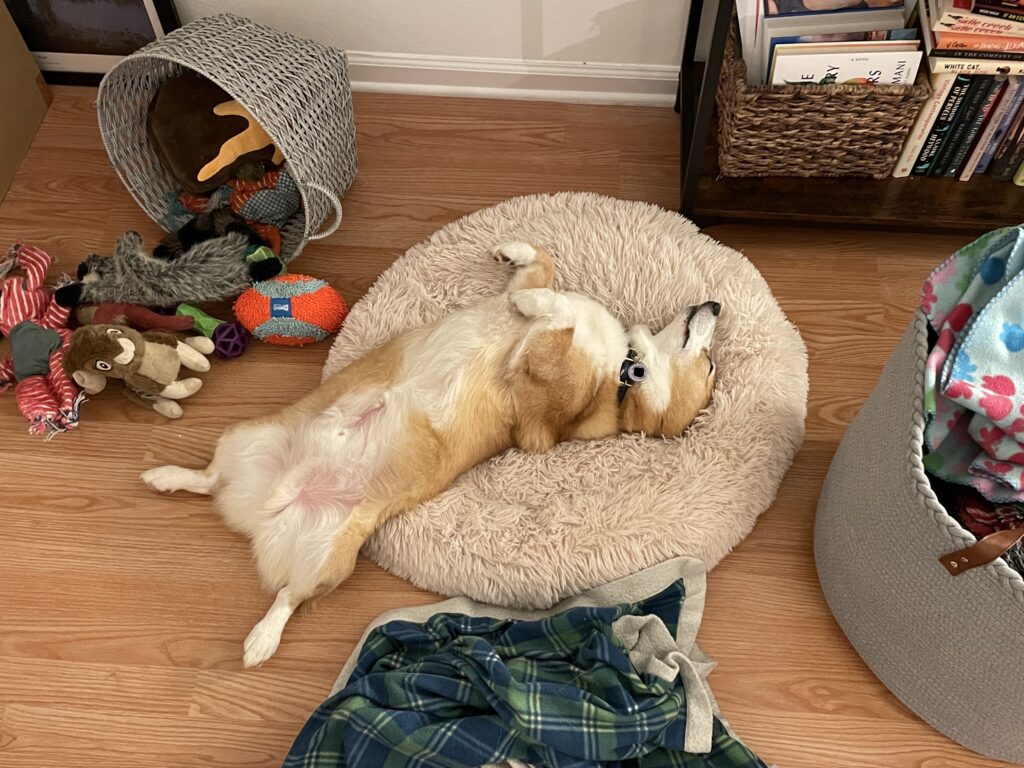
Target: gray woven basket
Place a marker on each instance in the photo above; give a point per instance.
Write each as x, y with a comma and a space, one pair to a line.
298, 90
950, 647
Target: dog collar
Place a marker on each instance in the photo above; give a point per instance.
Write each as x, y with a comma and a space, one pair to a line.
630, 372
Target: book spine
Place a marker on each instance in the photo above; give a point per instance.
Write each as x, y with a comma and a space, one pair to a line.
966, 146
975, 66
1003, 14
976, 94
941, 85
1013, 162
952, 41
1012, 107
1004, 99
960, 53
941, 127
1001, 168
975, 24
1016, 157
1011, 4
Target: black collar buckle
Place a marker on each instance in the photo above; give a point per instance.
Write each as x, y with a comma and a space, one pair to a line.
631, 372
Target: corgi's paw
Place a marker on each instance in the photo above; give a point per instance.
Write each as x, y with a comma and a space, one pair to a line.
515, 254
171, 478
544, 303
261, 643
164, 479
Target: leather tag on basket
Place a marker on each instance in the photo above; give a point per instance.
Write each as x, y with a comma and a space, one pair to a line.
982, 552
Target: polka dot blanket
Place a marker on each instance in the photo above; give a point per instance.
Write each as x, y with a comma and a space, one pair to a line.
974, 377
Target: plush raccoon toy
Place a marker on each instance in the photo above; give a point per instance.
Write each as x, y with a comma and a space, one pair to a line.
206, 260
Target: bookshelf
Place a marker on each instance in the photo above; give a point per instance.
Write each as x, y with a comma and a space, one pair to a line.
913, 203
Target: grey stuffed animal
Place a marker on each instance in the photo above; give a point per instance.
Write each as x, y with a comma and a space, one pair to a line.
211, 270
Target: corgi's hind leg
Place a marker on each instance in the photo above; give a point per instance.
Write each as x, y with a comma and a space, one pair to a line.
365, 519
264, 638
534, 267
304, 581
241, 452
172, 478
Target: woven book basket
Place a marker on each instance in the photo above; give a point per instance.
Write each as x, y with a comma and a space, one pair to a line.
296, 89
811, 130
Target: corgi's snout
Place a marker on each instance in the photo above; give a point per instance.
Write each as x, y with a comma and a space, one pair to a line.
708, 306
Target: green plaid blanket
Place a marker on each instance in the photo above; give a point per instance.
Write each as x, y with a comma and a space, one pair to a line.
583, 687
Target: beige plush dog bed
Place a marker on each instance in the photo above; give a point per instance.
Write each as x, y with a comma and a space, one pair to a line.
528, 530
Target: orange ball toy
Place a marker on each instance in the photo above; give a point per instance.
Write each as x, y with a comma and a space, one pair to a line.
291, 310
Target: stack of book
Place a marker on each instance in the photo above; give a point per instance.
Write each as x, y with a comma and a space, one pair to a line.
799, 42
974, 121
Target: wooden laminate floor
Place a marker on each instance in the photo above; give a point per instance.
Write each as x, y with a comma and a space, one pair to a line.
122, 613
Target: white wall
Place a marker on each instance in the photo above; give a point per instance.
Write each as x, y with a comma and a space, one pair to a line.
593, 50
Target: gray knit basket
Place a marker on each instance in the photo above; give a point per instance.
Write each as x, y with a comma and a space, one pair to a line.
296, 89
950, 647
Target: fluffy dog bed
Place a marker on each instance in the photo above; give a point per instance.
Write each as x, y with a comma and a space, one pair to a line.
527, 530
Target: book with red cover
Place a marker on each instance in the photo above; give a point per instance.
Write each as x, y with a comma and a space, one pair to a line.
960, 41
958, 16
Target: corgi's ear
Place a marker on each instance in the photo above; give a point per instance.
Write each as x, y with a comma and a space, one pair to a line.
691, 331
672, 338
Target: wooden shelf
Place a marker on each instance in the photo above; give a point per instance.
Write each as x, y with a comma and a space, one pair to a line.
916, 203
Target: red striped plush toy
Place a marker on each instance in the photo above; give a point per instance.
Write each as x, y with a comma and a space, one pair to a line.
37, 328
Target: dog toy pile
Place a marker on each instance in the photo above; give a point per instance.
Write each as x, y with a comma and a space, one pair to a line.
123, 336
234, 196
221, 159
974, 377
37, 327
291, 310
225, 223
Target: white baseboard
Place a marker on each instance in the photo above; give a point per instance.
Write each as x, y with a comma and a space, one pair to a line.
644, 84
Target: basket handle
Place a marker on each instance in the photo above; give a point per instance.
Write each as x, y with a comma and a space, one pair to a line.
983, 552
335, 203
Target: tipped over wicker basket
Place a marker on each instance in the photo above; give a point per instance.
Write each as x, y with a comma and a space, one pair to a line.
811, 130
298, 90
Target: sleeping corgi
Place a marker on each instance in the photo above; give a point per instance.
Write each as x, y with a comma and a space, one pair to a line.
526, 369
